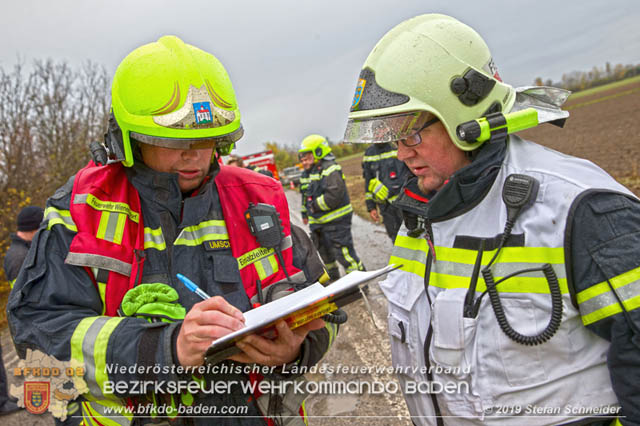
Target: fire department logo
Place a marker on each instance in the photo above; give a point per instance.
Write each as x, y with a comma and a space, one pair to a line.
45, 384
202, 111
36, 397
358, 96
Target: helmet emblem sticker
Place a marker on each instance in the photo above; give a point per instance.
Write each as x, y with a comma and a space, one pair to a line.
358, 95
198, 111
202, 111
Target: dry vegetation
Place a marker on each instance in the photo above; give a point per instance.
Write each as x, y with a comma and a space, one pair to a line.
48, 114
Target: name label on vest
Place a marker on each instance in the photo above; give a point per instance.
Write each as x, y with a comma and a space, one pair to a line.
253, 256
216, 245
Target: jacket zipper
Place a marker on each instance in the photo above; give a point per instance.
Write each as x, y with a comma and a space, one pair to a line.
427, 342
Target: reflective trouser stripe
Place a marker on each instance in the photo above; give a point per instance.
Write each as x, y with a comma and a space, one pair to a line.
303, 412
59, 217
153, 238
342, 211
89, 346
599, 301
333, 331
353, 265
209, 230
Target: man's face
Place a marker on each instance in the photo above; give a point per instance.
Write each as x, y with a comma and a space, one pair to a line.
191, 165
307, 160
434, 160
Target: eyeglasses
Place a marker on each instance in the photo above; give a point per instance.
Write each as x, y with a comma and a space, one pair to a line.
416, 139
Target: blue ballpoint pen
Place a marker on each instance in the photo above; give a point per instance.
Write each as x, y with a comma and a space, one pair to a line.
192, 286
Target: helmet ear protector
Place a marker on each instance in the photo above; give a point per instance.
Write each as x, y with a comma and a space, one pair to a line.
472, 87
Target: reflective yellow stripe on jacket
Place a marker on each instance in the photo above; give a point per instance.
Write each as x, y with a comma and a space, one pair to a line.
55, 216
599, 301
333, 215
89, 346
454, 266
209, 230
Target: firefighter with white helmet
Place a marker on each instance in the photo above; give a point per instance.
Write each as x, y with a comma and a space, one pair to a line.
103, 290
326, 206
519, 286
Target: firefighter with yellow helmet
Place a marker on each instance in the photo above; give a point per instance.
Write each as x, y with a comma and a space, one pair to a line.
101, 285
518, 295
326, 206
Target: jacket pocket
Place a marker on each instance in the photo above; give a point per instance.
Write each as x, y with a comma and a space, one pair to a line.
522, 365
453, 341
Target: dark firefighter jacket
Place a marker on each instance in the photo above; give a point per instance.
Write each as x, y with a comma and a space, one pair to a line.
380, 161
324, 193
51, 298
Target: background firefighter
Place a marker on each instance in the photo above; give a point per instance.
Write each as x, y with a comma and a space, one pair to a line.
384, 176
326, 206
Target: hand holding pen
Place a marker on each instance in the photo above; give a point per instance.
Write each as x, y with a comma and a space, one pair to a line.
206, 321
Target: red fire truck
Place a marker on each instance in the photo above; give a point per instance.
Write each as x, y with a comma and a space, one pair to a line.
262, 160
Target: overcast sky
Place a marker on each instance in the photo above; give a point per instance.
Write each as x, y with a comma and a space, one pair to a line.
294, 63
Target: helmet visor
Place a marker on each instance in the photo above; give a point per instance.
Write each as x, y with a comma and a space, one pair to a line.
386, 128
190, 143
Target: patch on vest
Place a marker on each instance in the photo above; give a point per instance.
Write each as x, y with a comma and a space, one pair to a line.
216, 245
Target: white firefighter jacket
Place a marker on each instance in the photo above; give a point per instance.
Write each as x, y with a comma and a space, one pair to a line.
473, 369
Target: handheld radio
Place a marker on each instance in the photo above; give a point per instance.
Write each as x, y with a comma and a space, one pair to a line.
266, 226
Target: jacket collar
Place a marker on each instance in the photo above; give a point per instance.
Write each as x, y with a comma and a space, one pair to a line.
462, 192
162, 192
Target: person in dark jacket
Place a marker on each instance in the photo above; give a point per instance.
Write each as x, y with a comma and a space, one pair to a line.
384, 176
326, 206
100, 285
29, 220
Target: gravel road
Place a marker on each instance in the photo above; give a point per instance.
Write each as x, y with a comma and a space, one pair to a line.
359, 345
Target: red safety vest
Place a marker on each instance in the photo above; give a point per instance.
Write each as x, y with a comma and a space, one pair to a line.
102, 196
106, 209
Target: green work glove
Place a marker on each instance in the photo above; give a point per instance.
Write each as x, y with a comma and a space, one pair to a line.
379, 190
153, 302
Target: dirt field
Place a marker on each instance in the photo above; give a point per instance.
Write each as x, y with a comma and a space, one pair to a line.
604, 127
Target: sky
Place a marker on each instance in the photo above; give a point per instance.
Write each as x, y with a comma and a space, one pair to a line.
294, 63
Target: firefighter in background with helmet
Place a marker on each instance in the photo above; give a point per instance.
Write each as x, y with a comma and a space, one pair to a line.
326, 206
552, 239
100, 287
384, 176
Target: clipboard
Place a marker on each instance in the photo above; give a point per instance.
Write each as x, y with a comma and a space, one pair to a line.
297, 309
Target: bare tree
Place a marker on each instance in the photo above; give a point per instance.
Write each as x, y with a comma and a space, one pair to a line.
48, 116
